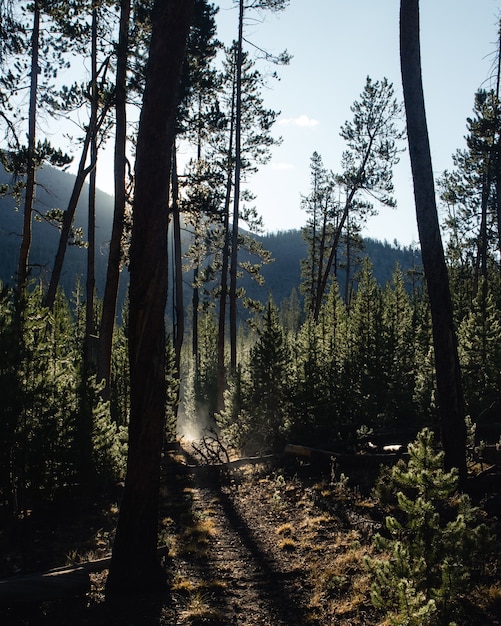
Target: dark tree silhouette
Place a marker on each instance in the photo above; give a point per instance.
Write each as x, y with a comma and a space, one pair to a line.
449, 384
134, 564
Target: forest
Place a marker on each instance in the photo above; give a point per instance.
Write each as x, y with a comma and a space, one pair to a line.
204, 423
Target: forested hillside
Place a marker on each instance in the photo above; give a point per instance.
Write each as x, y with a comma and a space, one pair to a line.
54, 189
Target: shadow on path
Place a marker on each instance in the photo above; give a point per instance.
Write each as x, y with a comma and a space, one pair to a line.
256, 575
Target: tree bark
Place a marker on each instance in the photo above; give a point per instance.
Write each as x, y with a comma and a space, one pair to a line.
236, 196
178, 333
24, 252
221, 331
134, 565
449, 385
114, 258
91, 223
68, 218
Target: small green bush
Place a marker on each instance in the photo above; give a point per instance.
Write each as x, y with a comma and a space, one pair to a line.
433, 544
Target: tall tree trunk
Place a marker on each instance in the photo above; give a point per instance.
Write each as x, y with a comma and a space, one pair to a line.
348, 264
91, 224
68, 218
449, 385
221, 331
85, 421
134, 565
195, 300
113, 271
236, 196
24, 252
483, 241
178, 268
497, 143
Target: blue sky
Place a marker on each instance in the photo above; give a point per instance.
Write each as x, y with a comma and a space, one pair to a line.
335, 45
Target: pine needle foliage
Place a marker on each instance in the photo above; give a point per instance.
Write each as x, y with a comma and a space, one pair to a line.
433, 544
54, 430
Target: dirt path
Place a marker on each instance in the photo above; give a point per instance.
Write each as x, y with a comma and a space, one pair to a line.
258, 546
258, 590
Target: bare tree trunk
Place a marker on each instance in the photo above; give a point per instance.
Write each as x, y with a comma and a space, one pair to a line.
113, 271
68, 218
221, 331
236, 196
449, 385
24, 252
497, 146
195, 301
134, 565
178, 268
91, 225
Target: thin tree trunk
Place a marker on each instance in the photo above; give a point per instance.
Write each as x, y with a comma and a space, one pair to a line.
221, 331
497, 146
449, 385
178, 268
68, 218
134, 565
91, 226
85, 421
236, 196
348, 264
195, 301
113, 271
24, 252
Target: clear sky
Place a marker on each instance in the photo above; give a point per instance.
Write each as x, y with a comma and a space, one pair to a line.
335, 45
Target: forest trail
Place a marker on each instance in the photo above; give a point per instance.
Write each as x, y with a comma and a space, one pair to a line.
255, 589
268, 544
225, 569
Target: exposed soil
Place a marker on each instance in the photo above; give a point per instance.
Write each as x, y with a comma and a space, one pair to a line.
264, 544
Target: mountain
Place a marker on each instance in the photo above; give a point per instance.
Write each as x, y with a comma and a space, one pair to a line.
54, 190
289, 248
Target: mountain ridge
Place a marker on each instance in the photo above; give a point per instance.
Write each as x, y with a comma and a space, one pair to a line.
54, 190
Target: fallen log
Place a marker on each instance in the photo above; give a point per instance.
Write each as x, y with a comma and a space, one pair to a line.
491, 454
54, 584
343, 458
204, 468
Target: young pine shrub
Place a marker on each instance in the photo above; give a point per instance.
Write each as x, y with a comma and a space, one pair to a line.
433, 545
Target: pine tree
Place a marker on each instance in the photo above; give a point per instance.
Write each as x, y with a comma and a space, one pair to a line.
479, 338
434, 541
397, 358
365, 349
372, 151
322, 209
268, 396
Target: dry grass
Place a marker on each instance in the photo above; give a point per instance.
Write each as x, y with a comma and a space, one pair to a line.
287, 544
199, 611
285, 529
